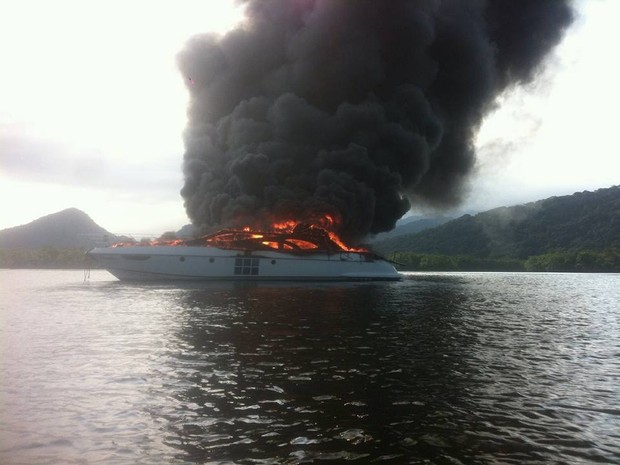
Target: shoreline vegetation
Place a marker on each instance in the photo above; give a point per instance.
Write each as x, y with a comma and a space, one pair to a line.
577, 261
580, 261
54, 258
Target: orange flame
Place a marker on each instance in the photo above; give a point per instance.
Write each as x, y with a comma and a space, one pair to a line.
287, 225
325, 223
317, 233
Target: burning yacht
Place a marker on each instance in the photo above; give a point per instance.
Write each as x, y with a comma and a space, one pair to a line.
287, 252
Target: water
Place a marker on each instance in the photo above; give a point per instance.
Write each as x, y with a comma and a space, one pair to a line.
472, 368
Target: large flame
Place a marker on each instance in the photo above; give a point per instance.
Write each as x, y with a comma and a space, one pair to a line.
313, 234
288, 235
320, 224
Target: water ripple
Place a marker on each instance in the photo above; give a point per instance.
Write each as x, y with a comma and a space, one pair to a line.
440, 368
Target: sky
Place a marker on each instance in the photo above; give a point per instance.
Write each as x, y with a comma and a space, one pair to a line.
93, 107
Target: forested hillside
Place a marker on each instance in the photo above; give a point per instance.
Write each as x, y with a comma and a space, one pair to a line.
68, 228
58, 240
584, 221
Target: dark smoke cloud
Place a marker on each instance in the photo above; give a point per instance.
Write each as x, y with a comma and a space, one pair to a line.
355, 108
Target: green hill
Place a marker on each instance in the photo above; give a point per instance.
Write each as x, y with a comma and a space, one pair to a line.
58, 240
65, 229
584, 221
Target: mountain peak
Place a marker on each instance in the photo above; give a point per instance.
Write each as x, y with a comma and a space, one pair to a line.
70, 227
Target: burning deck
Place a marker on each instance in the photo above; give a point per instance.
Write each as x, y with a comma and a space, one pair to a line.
302, 238
283, 236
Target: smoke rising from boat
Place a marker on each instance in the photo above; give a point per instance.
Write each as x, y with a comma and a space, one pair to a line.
351, 108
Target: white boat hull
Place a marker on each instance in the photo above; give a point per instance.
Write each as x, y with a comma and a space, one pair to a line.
152, 263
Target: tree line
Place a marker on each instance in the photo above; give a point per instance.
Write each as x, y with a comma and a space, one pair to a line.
604, 261
46, 257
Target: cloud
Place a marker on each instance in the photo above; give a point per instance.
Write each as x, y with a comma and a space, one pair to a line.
42, 160
34, 158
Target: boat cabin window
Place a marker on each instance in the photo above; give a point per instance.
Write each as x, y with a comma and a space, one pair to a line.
246, 266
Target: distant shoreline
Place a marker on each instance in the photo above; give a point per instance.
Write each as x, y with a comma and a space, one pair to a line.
581, 261
46, 258
568, 261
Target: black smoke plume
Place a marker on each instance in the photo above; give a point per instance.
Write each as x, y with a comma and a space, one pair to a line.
353, 108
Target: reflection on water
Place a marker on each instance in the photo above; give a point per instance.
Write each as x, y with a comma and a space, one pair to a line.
442, 368
311, 372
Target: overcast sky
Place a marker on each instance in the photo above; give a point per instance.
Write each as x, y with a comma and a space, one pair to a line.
92, 109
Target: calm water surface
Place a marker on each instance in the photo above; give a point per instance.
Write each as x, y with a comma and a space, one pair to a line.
469, 368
